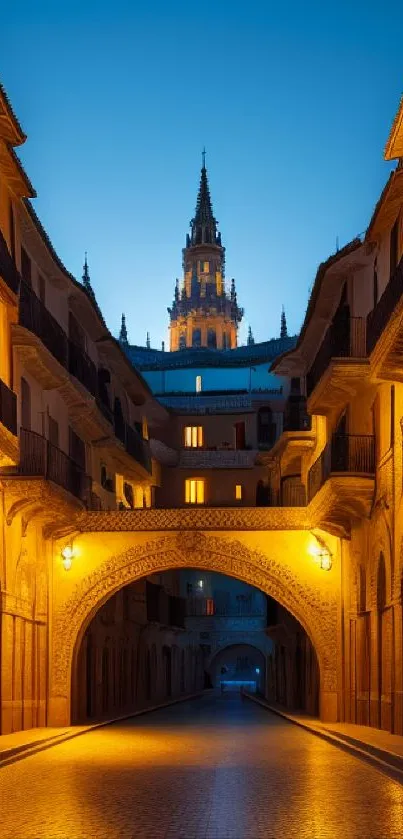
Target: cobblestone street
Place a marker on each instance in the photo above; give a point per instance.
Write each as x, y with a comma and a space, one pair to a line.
214, 768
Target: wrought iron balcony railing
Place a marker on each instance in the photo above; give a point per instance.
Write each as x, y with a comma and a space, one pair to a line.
380, 315
345, 338
34, 316
83, 368
40, 458
134, 443
296, 417
8, 270
344, 454
8, 408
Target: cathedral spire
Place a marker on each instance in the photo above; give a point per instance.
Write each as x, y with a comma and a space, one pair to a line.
86, 278
204, 225
283, 328
123, 339
148, 344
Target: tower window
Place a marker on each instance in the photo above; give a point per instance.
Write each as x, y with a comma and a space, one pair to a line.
198, 384
193, 436
196, 338
211, 339
194, 491
238, 492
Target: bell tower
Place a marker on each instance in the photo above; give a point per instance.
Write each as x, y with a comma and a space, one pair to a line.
203, 314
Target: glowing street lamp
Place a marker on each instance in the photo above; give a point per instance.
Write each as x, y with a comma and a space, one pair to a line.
67, 557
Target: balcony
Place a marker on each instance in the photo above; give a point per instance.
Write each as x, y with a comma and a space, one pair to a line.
83, 368
296, 417
35, 317
39, 458
8, 408
341, 481
8, 426
340, 367
381, 314
8, 271
220, 459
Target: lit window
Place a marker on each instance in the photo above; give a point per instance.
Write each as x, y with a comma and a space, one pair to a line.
193, 436
209, 606
200, 583
194, 491
206, 267
238, 492
198, 384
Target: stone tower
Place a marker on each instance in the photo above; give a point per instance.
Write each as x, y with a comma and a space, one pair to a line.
203, 314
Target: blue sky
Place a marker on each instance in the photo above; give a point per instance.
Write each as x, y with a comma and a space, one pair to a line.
293, 101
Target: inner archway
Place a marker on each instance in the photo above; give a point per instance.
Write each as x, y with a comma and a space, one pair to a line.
316, 614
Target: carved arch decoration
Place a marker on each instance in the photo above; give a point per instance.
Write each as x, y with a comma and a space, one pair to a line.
315, 611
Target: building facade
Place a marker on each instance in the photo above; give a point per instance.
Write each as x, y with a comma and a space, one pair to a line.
278, 464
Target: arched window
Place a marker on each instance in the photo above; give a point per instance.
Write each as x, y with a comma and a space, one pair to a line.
182, 341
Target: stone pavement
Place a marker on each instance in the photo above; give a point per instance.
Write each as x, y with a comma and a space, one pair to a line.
383, 745
212, 768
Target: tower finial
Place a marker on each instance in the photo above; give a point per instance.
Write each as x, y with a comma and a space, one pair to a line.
204, 157
283, 327
123, 339
251, 339
86, 278
148, 345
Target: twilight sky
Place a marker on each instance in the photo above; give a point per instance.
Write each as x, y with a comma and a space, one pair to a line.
293, 101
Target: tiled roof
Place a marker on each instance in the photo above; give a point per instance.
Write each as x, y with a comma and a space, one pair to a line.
16, 122
149, 359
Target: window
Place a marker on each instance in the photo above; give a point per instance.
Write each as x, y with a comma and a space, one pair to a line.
76, 449
25, 405
193, 436
26, 269
238, 492
206, 267
196, 338
198, 384
194, 491
211, 339
209, 606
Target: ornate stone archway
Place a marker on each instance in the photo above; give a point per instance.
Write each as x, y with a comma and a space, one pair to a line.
317, 613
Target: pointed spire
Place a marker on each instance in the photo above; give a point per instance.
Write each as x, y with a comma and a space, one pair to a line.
148, 345
283, 328
176, 296
163, 346
86, 278
251, 339
123, 339
204, 225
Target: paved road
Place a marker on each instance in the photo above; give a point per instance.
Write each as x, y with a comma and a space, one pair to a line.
217, 769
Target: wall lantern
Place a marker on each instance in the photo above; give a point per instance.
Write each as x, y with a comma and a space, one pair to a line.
67, 557
325, 559
321, 554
